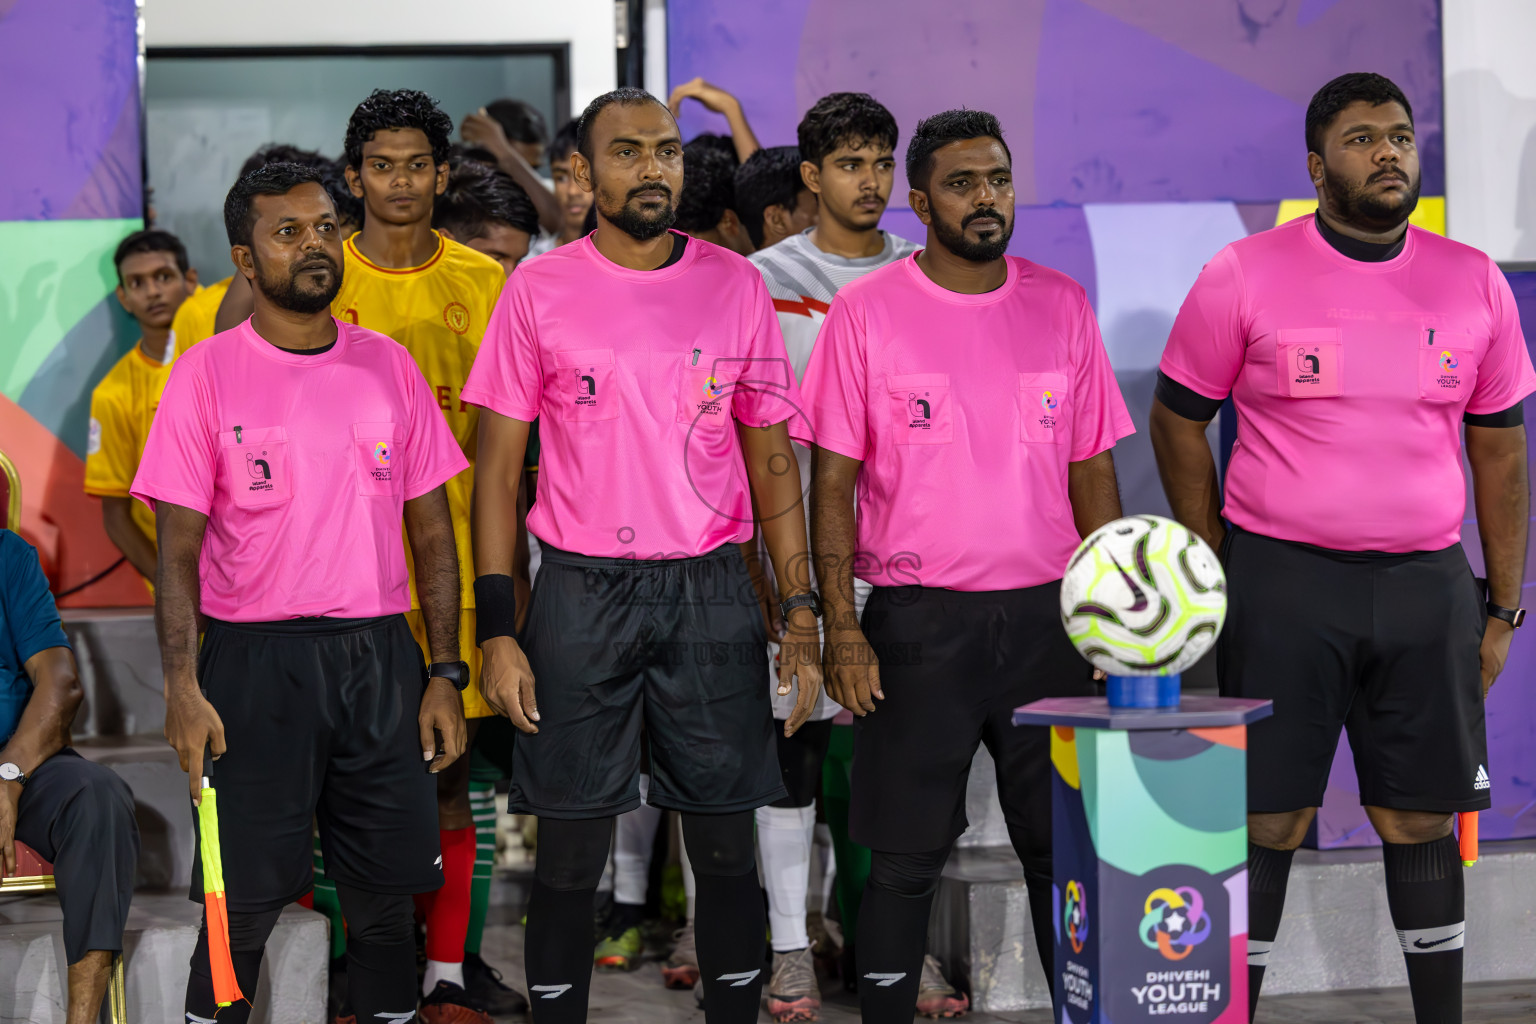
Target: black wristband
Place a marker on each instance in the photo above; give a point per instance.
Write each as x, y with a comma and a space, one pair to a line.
495, 607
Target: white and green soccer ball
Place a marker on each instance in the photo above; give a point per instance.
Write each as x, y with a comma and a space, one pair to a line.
1143, 596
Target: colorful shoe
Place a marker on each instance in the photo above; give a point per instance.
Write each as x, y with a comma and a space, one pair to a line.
619, 952
450, 1004
681, 969
937, 997
793, 994
483, 985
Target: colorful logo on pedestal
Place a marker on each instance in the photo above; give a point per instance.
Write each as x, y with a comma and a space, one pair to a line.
1075, 915
1175, 922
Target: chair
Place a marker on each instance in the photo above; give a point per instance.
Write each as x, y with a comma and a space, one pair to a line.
10, 493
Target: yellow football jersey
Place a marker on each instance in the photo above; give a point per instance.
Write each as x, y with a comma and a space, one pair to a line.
194, 320
122, 408
439, 312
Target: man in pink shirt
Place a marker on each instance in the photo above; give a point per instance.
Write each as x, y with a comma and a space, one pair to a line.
1355, 348
963, 399
283, 458
661, 384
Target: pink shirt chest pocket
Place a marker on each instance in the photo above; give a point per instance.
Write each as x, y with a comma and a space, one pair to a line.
1308, 362
1043, 406
705, 384
379, 462
586, 386
919, 408
1447, 366
256, 463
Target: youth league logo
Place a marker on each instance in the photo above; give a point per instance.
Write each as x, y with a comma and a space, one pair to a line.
1075, 915
1174, 921
1448, 362
1048, 401
381, 453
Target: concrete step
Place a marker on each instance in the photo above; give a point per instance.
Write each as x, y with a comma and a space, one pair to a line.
162, 931
119, 666
161, 804
1337, 932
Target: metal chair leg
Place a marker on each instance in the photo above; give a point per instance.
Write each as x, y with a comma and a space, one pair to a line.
117, 997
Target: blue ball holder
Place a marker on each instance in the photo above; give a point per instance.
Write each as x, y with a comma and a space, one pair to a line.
1144, 691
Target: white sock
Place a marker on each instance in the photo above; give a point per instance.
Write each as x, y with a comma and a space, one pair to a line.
784, 840
438, 971
821, 848
634, 837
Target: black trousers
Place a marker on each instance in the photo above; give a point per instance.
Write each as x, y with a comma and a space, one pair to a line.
78, 815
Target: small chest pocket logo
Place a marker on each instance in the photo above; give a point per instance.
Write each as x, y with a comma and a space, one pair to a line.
1447, 366
377, 459
920, 408
256, 462
587, 384
1307, 362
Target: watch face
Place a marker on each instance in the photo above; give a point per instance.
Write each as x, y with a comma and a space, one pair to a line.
9, 772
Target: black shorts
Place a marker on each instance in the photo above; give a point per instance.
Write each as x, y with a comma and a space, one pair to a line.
953, 666
1385, 646
676, 644
320, 723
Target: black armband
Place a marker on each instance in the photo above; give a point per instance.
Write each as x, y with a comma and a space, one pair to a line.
1514, 416
1186, 401
495, 607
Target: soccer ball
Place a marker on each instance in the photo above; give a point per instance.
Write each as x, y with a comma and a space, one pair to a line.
1143, 596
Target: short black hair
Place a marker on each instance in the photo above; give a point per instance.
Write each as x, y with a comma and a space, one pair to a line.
385, 109
940, 130
852, 119
479, 195
333, 175
271, 180
521, 121
722, 144
150, 240
770, 177
282, 153
564, 142
1340, 93
627, 96
709, 187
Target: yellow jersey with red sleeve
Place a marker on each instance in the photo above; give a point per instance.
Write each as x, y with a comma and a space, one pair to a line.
194, 320
438, 311
122, 408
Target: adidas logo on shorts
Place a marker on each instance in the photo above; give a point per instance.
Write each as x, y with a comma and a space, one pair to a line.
1482, 781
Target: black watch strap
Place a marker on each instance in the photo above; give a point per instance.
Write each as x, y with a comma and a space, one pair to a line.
456, 672
1514, 616
811, 600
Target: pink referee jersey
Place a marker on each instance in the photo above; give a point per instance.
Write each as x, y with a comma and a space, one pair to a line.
1350, 381
638, 378
302, 464
965, 410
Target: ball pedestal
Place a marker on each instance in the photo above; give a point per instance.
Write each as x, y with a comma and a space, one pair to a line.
1150, 841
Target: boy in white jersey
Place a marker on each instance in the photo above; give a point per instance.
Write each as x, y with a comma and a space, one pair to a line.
847, 145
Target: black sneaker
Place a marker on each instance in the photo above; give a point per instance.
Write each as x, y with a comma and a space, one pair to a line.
450, 1004
484, 987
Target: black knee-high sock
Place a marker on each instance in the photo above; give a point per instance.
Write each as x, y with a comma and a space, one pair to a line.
247, 939
381, 954
1034, 853
893, 933
558, 946
730, 923
1427, 897
1268, 872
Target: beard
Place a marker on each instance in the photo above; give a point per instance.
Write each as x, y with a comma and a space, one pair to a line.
286, 292
953, 238
640, 224
1353, 205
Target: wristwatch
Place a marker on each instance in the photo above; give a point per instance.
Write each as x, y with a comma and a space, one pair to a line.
1514, 616
10, 772
456, 672
811, 600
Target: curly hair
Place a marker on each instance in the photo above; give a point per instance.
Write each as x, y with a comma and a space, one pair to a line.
852, 119
397, 108
480, 195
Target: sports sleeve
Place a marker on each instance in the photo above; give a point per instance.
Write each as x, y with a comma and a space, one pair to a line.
1504, 377
507, 377
111, 450
766, 392
432, 453
1099, 417
835, 391
30, 614
1209, 339
180, 459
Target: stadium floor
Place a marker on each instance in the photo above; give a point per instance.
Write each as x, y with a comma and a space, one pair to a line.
638, 998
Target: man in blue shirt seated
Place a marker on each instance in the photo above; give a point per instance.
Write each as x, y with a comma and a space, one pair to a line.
74, 813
